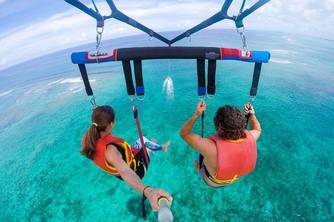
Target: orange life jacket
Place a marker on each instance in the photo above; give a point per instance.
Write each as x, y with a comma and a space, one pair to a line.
101, 146
235, 158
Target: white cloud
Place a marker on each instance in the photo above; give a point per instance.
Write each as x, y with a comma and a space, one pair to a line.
72, 28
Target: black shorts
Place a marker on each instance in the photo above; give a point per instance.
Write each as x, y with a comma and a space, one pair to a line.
141, 165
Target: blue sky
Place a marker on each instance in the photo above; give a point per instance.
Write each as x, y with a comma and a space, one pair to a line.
37, 27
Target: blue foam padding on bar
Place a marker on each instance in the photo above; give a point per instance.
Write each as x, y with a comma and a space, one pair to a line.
140, 90
260, 56
79, 57
201, 91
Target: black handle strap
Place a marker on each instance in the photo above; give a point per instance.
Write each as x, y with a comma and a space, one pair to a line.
201, 90
256, 78
139, 77
143, 209
128, 77
85, 79
212, 77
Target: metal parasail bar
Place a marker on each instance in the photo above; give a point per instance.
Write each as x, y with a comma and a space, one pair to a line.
147, 53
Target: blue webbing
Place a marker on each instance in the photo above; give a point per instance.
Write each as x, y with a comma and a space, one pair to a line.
116, 14
219, 16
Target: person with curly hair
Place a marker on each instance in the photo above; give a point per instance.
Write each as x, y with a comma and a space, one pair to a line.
231, 152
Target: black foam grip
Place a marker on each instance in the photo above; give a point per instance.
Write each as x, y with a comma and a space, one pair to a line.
143, 53
201, 76
256, 78
212, 77
83, 72
128, 77
139, 77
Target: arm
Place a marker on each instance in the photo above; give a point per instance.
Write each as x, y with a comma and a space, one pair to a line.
195, 141
132, 179
254, 123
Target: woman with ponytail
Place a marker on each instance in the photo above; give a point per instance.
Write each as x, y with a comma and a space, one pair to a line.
115, 156
231, 152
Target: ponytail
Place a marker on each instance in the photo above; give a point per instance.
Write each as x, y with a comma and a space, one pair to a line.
90, 142
101, 118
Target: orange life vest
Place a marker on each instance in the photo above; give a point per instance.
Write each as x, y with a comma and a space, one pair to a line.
122, 146
235, 158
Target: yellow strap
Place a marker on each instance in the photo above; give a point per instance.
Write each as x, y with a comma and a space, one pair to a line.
128, 159
225, 182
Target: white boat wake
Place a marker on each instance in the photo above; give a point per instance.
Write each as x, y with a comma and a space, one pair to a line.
168, 87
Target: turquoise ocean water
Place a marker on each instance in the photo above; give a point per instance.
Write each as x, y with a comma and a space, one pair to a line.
44, 111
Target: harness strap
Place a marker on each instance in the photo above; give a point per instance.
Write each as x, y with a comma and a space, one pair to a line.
201, 90
211, 88
135, 114
128, 77
218, 181
201, 158
143, 209
256, 78
85, 79
255, 83
139, 78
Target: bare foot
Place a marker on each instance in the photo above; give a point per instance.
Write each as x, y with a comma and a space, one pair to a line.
165, 146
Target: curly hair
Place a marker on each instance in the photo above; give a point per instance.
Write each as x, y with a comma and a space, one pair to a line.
230, 123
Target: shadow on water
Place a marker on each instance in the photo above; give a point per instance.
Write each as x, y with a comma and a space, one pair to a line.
134, 207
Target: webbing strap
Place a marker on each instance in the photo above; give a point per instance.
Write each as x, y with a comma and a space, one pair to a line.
256, 78
143, 209
201, 158
83, 72
85, 9
212, 77
139, 77
135, 115
128, 77
201, 90
246, 12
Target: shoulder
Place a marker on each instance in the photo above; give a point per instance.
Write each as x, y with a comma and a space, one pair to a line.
111, 139
211, 140
252, 135
208, 144
111, 150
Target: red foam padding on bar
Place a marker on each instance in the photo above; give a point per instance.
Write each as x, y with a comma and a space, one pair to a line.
115, 54
230, 52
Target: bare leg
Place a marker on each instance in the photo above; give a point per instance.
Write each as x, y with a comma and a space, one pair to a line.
165, 146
